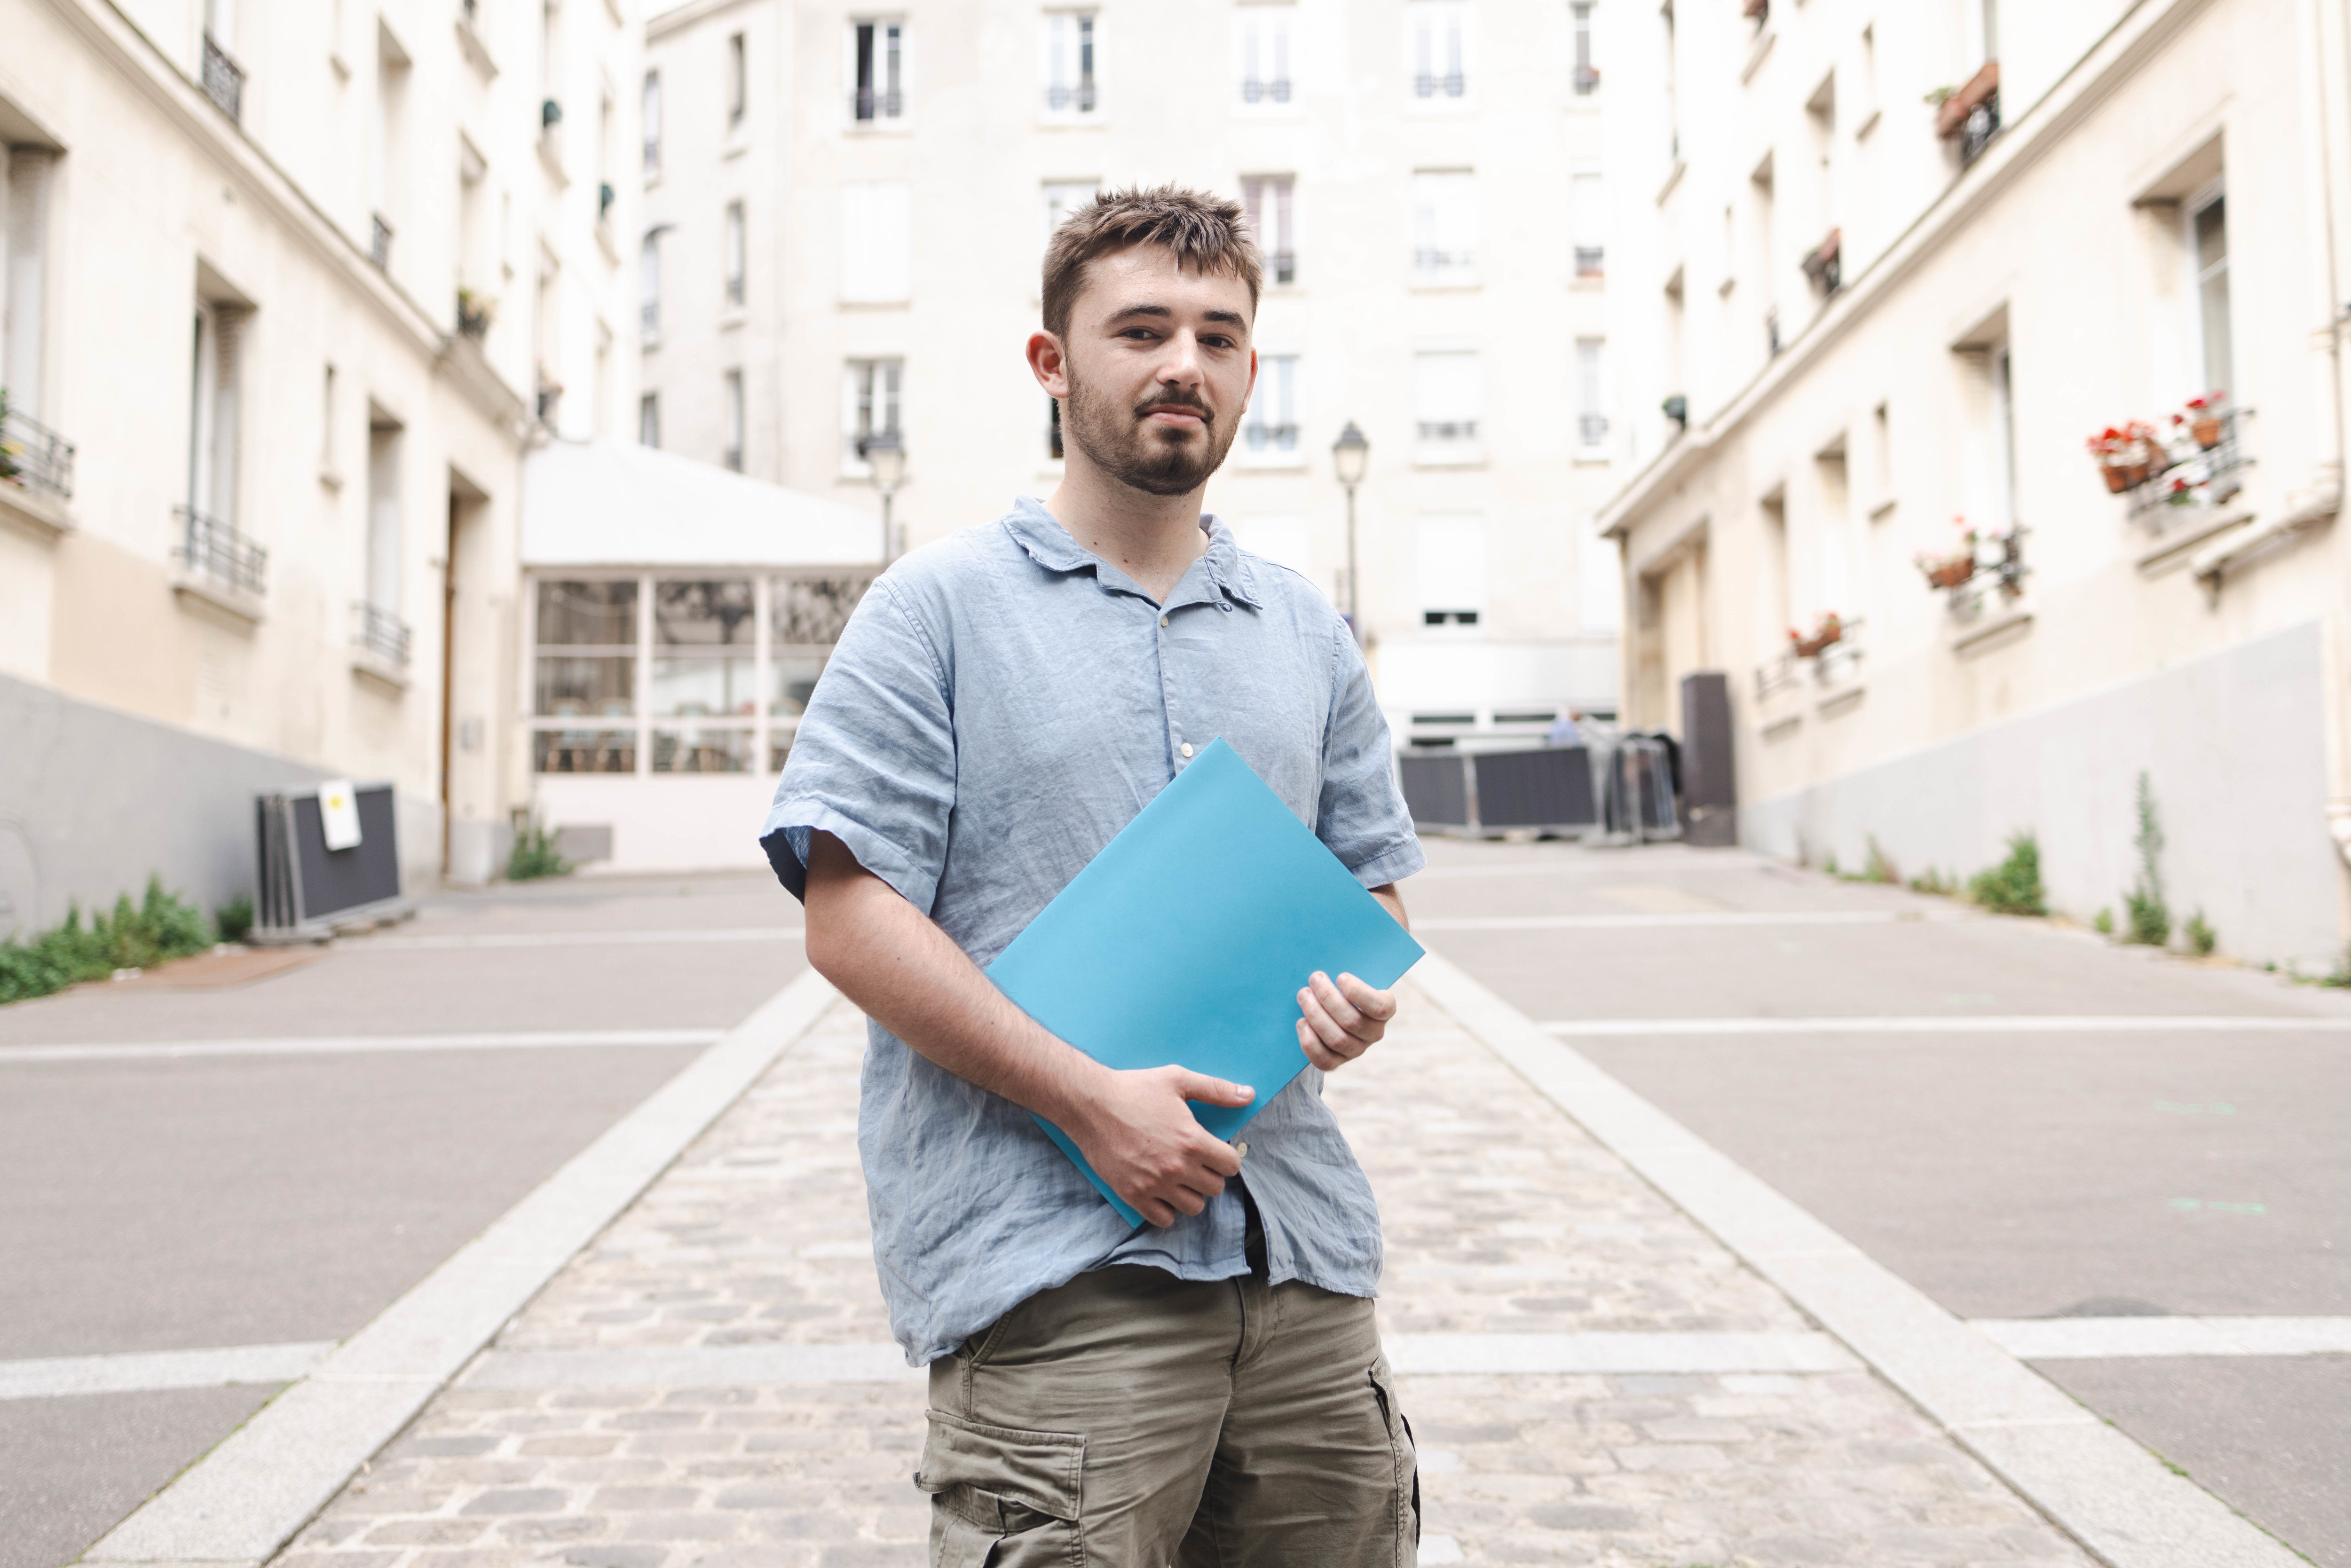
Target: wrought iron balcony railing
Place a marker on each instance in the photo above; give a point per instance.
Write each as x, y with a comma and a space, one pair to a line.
1064, 99
1282, 265
1593, 428
377, 632
1447, 431
1271, 438
213, 550
224, 79
1452, 85
34, 456
867, 103
2191, 472
1256, 89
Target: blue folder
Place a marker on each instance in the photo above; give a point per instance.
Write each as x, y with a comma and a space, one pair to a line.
1186, 939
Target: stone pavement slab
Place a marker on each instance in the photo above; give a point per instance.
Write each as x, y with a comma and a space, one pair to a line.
1502, 1217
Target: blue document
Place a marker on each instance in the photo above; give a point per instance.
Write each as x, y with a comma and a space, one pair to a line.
1185, 941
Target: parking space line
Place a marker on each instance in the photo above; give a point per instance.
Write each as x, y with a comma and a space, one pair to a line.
1733, 917
353, 1044
462, 940
141, 1371
2097, 1339
2045, 1023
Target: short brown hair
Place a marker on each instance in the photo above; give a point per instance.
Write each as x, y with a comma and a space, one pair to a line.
1207, 232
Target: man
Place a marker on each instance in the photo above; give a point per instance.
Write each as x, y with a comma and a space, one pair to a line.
1208, 1388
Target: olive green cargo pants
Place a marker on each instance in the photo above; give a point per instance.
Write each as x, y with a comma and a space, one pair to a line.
1131, 1419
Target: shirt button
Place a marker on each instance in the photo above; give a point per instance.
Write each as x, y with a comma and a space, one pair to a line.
1188, 749
1241, 1148
1163, 621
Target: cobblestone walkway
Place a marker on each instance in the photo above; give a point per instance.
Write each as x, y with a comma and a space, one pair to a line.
1502, 1218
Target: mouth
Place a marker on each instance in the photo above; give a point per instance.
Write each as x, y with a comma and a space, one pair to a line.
1176, 417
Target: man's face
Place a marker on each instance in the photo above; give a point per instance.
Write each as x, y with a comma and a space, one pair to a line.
1158, 366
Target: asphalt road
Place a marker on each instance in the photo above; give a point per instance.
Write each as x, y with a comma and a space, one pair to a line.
2008, 1173
159, 1203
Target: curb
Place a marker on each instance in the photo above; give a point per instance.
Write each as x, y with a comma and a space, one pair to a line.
2117, 1500
246, 1497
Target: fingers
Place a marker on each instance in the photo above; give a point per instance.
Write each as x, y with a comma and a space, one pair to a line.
1319, 1054
1378, 1006
1210, 1091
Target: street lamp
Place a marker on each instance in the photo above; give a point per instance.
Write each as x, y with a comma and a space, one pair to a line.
1350, 454
885, 454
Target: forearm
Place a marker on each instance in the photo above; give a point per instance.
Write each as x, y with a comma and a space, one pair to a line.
896, 963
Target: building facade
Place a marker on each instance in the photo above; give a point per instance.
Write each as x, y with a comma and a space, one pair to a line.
291, 286
1930, 285
846, 209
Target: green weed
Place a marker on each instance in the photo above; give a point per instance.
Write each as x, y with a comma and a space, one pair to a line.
2146, 917
533, 854
2201, 938
2014, 886
130, 936
1880, 869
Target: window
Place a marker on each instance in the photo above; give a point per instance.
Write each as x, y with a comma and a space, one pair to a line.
1444, 227
1068, 41
1261, 38
705, 665
1591, 407
868, 405
735, 254
1269, 427
876, 243
733, 457
649, 289
585, 670
1587, 212
1437, 31
1063, 198
212, 441
24, 252
877, 52
2209, 233
652, 118
385, 170
1054, 429
648, 420
1586, 76
738, 82
1447, 401
1449, 555
327, 424
383, 513
1267, 199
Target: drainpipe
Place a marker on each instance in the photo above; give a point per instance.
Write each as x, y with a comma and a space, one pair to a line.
2323, 95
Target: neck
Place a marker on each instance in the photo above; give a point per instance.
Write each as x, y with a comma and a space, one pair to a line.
1153, 539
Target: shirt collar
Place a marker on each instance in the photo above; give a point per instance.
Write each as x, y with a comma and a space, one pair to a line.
1039, 533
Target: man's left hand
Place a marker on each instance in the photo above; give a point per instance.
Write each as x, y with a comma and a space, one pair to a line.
1340, 1020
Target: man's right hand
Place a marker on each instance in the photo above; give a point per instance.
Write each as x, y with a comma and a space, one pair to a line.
1137, 1130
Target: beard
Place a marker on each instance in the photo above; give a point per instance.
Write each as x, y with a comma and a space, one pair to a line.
1155, 459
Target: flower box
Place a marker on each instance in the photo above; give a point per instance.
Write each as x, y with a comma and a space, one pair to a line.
1824, 636
1956, 572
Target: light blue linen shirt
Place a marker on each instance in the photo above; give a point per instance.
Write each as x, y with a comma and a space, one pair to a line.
1000, 705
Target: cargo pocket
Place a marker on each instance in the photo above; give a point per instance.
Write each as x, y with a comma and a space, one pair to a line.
1407, 1463
1002, 1497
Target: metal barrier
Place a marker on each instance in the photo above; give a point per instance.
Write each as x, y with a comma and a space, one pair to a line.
1620, 792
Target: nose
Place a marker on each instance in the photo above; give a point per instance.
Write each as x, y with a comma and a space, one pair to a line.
1180, 364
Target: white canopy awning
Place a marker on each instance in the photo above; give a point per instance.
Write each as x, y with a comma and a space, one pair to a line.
606, 503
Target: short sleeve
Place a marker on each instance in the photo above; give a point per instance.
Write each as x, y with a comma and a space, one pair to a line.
873, 761
1361, 815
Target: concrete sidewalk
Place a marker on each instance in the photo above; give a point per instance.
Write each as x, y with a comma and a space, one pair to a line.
1592, 1376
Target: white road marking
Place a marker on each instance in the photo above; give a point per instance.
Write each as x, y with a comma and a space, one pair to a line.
353, 1044
1419, 1354
1738, 917
570, 939
139, 1371
2046, 1023
2085, 1339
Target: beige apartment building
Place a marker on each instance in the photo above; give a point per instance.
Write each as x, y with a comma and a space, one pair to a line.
291, 286
846, 207
1901, 265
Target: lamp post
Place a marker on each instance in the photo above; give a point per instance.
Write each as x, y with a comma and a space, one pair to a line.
1350, 454
886, 455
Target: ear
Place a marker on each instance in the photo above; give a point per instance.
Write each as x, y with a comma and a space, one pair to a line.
1046, 363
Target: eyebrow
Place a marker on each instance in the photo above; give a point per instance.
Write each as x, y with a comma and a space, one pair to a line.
1160, 312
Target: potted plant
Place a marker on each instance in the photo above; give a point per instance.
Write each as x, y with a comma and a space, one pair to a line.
1954, 569
1824, 636
2126, 454
475, 310
2202, 417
